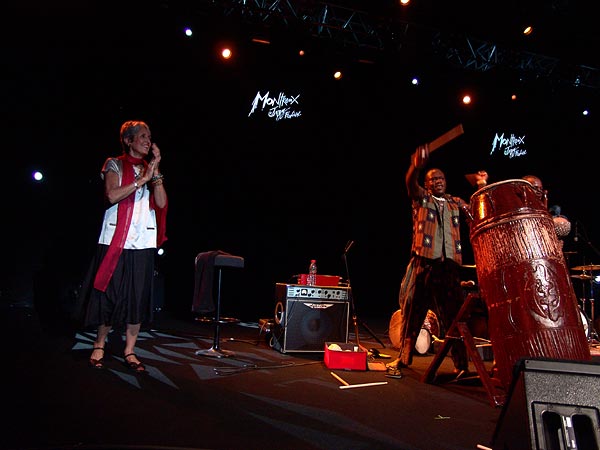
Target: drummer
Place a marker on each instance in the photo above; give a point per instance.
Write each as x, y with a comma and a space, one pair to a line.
562, 225
432, 279
538, 187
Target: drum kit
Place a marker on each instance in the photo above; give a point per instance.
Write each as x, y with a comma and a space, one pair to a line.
587, 274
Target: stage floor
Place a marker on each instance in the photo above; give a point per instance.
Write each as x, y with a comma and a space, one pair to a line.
257, 398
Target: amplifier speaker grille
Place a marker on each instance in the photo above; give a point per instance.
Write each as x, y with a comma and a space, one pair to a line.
307, 324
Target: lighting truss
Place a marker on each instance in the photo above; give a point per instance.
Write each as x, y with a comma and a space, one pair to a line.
348, 26
343, 25
482, 56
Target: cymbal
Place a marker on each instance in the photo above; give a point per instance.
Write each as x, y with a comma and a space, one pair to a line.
469, 266
582, 277
586, 268
569, 253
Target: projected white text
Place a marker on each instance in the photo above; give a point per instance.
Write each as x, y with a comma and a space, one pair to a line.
512, 146
279, 107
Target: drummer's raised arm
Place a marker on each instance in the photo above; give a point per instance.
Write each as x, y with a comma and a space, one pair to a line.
418, 160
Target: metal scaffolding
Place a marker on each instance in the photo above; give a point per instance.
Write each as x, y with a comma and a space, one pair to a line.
350, 27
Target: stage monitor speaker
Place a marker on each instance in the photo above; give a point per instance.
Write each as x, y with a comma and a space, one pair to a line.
559, 400
305, 325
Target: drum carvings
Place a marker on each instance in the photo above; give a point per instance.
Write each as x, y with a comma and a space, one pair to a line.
523, 278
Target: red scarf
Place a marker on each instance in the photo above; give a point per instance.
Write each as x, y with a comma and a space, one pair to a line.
124, 214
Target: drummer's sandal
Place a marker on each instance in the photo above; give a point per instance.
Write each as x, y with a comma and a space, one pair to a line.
393, 372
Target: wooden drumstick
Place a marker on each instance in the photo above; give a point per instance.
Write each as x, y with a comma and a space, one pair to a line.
340, 379
446, 137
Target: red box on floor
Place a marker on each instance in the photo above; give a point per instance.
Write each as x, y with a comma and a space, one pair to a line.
346, 356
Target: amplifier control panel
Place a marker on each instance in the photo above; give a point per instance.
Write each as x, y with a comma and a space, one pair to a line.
286, 291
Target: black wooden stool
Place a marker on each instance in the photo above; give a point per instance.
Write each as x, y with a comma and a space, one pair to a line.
221, 262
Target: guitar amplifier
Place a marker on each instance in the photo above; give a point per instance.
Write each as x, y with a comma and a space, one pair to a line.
308, 316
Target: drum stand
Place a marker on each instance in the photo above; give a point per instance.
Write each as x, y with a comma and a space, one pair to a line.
459, 330
593, 335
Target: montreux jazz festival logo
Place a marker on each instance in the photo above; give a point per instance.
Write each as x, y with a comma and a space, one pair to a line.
513, 146
279, 108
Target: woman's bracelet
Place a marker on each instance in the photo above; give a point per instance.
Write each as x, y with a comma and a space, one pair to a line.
155, 178
157, 182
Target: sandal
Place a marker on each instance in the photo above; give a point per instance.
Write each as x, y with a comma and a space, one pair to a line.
97, 363
394, 372
137, 367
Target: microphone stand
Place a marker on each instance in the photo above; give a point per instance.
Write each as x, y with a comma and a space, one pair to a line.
354, 315
584, 235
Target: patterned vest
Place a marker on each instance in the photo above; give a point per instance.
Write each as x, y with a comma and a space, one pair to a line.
436, 228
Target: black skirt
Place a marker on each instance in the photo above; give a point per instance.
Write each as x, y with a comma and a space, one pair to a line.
128, 297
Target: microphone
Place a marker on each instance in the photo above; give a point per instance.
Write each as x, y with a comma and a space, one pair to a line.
576, 237
348, 246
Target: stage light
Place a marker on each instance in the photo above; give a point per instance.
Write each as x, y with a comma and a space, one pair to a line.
226, 53
466, 99
188, 31
37, 175
337, 75
527, 30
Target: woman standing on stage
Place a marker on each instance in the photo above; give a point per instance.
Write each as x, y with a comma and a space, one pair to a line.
117, 290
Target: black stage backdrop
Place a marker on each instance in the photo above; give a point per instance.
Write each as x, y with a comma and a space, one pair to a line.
316, 163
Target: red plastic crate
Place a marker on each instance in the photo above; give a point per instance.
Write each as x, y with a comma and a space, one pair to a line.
351, 357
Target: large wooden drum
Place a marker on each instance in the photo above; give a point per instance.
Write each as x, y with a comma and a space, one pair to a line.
523, 278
